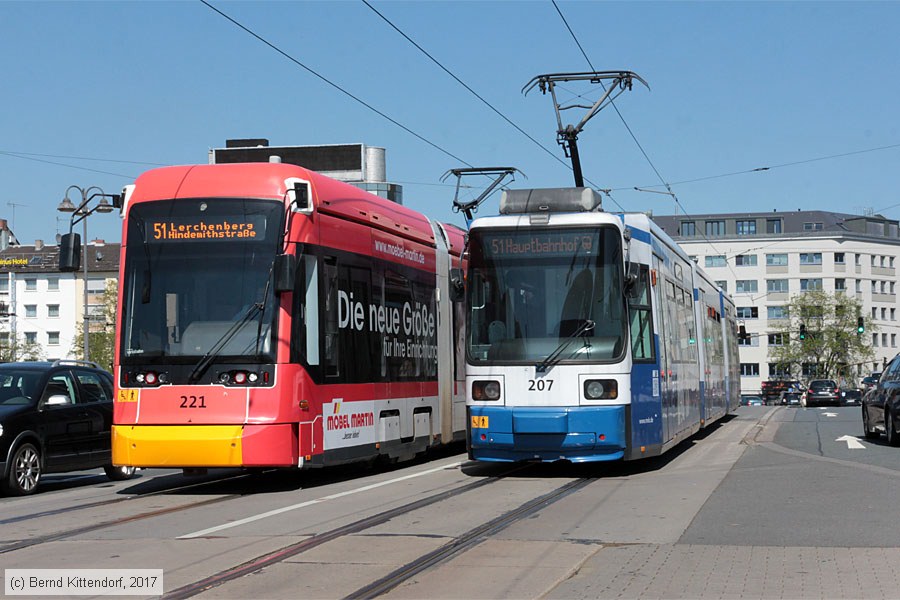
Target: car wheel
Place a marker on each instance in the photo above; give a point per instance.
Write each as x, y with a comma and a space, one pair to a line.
24, 471
892, 438
870, 435
119, 473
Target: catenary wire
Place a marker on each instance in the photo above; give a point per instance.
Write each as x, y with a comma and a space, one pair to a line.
332, 84
477, 95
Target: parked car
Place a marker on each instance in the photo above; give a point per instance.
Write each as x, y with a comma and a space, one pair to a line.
871, 381
54, 417
880, 405
790, 398
752, 401
851, 397
822, 392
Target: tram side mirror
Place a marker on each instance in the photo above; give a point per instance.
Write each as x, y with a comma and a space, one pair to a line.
285, 271
632, 290
69, 252
457, 285
301, 196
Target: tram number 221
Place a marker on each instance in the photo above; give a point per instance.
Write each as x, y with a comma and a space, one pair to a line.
193, 402
540, 385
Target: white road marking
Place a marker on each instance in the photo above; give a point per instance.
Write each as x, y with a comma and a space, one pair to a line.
852, 442
285, 509
829, 414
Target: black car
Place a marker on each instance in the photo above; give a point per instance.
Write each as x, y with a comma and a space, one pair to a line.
54, 417
851, 396
790, 398
822, 392
880, 405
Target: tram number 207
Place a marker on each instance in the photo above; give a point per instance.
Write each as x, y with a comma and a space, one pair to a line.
540, 385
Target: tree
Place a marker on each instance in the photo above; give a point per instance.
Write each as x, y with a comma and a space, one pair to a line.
16, 348
102, 330
832, 344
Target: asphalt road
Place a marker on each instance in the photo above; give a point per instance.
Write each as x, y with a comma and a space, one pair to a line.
772, 503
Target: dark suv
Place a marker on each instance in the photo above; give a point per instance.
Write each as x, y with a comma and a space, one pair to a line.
822, 392
54, 417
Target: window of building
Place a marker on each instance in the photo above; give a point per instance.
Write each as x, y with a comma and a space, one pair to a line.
884, 340
776, 285
875, 339
747, 312
723, 284
873, 259
693, 257
858, 258
96, 285
777, 312
53, 338
688, 228
745, 260
753, 340
812, 227
884, 314
808, 285
893, 314
893, 283
746, 286
31, 310
715, 261
750, 369
4, 283
893, 340
776, 339
715, 228
891, 262
776, 260
53, 310
746, 227
53, 284
884, 287
838, 258
874, 313
773, 225
30, 284
882, 262
874, 287
779, 370
810, 370
31, 337
840, 285
810, 258
859, 286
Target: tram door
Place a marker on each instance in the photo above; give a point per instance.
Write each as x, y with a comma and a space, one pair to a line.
659, 309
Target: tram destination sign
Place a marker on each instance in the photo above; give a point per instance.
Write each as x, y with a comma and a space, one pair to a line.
206, 228
546, 243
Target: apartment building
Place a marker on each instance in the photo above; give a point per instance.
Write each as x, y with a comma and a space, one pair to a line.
762, 259
40, 305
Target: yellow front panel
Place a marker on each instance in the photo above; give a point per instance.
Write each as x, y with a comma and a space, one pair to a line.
177, 445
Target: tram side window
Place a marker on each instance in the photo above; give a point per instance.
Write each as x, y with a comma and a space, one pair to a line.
640, 318
331, 353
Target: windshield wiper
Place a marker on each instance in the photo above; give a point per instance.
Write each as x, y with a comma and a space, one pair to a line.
555, 356
223, 341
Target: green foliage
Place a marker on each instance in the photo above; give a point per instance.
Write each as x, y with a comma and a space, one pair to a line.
832, 345
102, 331
16, 349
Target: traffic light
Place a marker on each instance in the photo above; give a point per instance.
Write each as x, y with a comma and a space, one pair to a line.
802, 331
860, 325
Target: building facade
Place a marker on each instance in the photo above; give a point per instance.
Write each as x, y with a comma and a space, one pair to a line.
763, 259
40, 307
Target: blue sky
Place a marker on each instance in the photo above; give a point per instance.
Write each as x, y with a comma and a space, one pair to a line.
734, 87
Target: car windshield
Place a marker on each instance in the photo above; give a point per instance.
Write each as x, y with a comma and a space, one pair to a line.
822, 384
18, 387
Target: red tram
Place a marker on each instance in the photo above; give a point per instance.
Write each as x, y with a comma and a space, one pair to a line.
271, 316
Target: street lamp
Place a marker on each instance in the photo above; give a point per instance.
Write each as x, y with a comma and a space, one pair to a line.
69, 244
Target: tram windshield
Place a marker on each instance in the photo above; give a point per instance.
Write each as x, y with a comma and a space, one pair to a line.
529, 291
197, 280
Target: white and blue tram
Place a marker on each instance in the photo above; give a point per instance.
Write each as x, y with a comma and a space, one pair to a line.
591, 336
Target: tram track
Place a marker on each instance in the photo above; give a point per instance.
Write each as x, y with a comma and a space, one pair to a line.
397, 577
113, 501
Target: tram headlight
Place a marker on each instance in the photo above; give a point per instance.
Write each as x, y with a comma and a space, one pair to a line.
485, 390
601, 389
